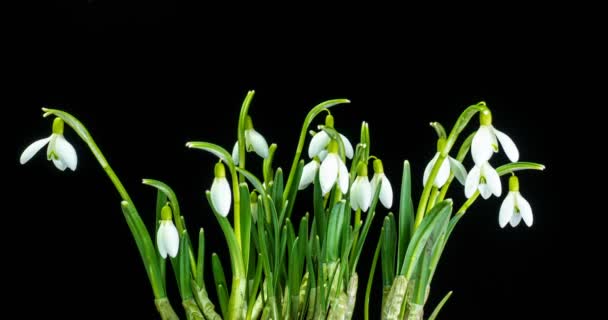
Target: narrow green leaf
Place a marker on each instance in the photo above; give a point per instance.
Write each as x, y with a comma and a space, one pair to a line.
200, 262
220, 282
438, 214
387, 257
439, 306
319, 210
213, 149
246, 221
277, 190
370, 278
291, 197
183, 258
519, 166
406, 212
267, 164
333, 233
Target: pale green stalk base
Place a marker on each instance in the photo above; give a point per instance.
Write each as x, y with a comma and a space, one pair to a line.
192, 311
202, 299
165, 310
395, 298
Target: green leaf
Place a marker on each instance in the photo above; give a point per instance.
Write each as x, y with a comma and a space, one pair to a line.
246, 220
220, 283
146, 249
406, 212
370, 278
461, 123
333, 235
183, 258
519, 166
241, 128
436, 217
365, 140
388, 250
200, 262
168, 192
291, 197
213, 149
267, 164
319, 210
439, 306
277, 190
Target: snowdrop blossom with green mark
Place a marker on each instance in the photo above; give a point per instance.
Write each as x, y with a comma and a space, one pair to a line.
167, 237
485, 141
59, 150
300, 259
514, 207
254, 141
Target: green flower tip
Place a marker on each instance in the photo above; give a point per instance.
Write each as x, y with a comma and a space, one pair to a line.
362, 169
329, 121
513, 183
58, 126
220, 171
165, 213
253, 197
248, 123
378, 167
485, 117
333, 146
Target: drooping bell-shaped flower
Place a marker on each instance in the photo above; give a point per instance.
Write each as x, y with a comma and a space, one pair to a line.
514, 207
59, 150
448, 165
320, 141
361, 190
386, 190
485, 179
221, 196
167, 237
254, 141
485, 141
333, 170
308, 173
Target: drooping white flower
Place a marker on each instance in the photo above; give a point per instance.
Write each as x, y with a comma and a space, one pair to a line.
485, 141
361, 190
59, 150
332, 169
254, 141
483, 178
386, 190
514, 207
448, 165
167, 237
308, 173
221, 196
320, 141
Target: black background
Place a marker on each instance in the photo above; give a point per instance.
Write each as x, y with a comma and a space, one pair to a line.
149, 76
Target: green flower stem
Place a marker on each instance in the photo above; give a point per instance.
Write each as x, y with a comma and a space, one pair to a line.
460, 124
432, 199
152, 266
307, 121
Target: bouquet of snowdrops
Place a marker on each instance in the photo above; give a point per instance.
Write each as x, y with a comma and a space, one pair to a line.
292, 263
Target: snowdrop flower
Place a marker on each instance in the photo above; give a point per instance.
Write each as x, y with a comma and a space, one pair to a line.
167, 237
254, 141
484, 178
448, 165
361, 190
308, 173
332, 169
321, 139
59, 150
221, 197
485, 141
386, 191
514, 208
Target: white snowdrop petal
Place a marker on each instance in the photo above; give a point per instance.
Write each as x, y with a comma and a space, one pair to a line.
348, 147
32, 149
257, 141
443, 174
429, 167
484, 190
472, 181
328, 172
481, 146
59, 164
508, 145
515, 220
506, 210
160, 242
386, 193
66, 152
492, 179
318, 142
322, 154
308, 174
343, 176
171, 239
221, 196
458, 169
365, 194
235, 153
525, 210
